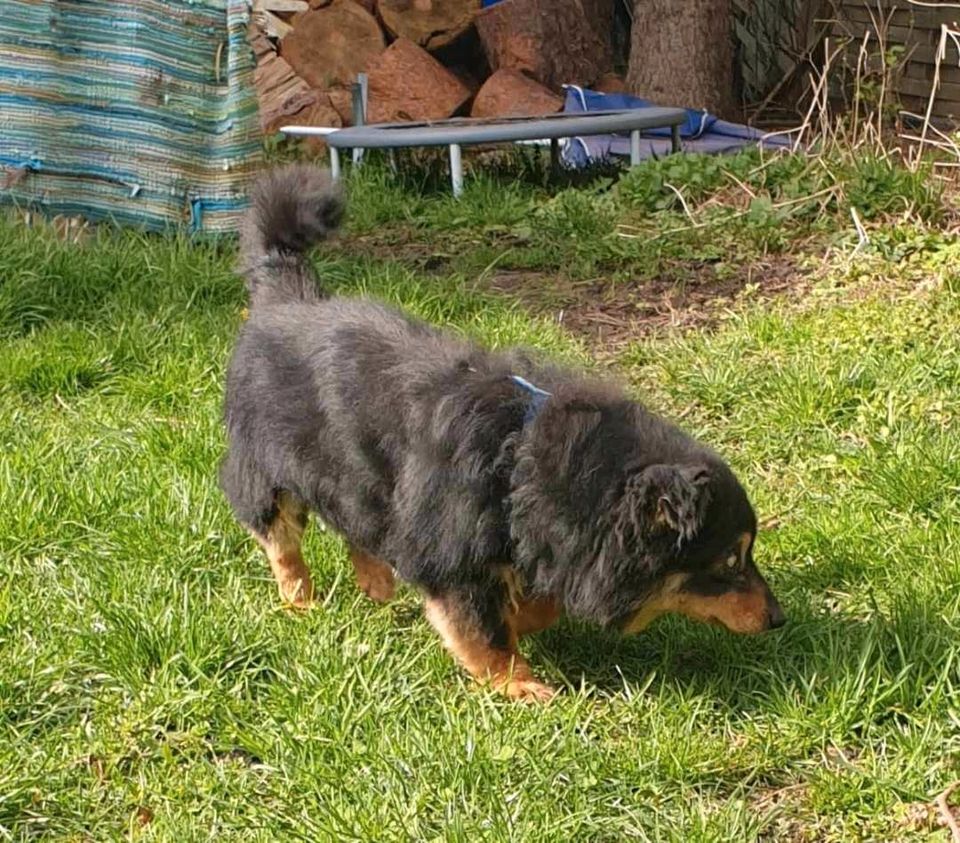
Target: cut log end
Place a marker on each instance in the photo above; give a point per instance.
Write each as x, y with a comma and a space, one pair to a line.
332, 44
407, 83
430, 24
508, 93
319, 111
557, 42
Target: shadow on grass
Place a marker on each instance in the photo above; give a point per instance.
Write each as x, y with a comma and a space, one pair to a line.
903, 655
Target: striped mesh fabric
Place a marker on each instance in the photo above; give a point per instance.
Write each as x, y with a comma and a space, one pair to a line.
141, 111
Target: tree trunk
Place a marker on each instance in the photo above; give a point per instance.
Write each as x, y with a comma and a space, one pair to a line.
681, 53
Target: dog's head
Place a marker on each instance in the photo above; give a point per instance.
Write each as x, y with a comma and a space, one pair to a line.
627, 518
692, 528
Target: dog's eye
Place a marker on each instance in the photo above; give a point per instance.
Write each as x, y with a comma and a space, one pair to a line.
732, 562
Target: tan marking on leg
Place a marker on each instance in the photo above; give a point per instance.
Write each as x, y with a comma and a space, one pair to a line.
513, 585
534, 615
282, 546
375, 578
505, 669
526, 615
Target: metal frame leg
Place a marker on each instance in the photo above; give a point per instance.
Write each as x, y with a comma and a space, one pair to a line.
359, 106
554, 154
456, 169
334, 163
634, 147
675, 138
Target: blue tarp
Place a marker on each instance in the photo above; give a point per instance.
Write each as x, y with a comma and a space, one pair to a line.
703, 132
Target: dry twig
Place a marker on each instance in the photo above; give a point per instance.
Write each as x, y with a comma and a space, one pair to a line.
683, 202
624, 230
863, 240
946, 812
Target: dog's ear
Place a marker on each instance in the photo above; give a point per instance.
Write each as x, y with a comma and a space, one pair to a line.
682, 504
666, 497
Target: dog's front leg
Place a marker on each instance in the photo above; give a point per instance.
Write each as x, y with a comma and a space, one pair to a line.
529, 616
473, 627
374, 578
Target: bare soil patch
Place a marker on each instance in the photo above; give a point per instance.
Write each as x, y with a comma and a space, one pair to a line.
613, 314
607, 313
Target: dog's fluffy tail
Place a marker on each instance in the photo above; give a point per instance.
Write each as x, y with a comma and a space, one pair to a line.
291, 209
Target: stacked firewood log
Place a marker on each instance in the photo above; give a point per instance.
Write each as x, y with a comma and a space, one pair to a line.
425, 59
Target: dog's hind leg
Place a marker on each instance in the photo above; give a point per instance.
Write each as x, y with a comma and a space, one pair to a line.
473, 628
281, 538
375, 578
275, 518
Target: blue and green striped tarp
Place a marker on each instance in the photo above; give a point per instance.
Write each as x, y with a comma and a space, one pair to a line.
141, 111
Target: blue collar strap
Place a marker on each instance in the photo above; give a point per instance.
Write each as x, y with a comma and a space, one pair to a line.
538, 397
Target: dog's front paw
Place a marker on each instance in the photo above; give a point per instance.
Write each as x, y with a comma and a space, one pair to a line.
296, 594
379, 587
375, 578
529, 690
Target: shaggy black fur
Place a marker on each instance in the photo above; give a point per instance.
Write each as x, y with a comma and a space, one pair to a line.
414, 445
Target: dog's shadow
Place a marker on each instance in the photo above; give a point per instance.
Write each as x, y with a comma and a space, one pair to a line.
743, 671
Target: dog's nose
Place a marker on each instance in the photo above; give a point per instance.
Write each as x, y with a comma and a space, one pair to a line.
775, 616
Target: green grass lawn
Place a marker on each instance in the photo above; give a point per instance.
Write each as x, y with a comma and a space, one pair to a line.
152, 687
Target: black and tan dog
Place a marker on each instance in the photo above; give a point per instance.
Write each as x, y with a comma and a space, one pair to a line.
506, 491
